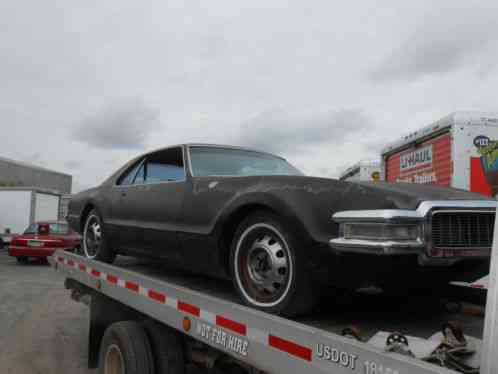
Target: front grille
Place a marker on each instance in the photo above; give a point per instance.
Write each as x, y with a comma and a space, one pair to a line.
462, 229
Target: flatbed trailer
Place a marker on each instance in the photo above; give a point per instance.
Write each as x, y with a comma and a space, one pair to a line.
212, 330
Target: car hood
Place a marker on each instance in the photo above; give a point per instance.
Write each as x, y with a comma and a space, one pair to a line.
410, 195
339, 195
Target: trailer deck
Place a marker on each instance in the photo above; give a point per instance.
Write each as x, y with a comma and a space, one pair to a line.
208, 310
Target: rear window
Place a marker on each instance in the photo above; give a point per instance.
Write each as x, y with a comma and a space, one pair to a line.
55, 229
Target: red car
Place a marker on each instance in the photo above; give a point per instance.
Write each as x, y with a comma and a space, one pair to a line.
41, 239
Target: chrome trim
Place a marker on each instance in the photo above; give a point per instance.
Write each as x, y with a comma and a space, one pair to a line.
388, 247
428, 231
375, 215
420, 213
427, 206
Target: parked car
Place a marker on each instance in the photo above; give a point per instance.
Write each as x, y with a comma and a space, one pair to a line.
282, 237
41, 239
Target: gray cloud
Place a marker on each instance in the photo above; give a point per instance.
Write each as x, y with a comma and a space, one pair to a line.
440, 45
278, 130
210, 67
72, 164
123, 125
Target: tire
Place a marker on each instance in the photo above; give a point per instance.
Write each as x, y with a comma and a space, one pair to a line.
125, 348
167, 348
22, 260
94, 243
267, 265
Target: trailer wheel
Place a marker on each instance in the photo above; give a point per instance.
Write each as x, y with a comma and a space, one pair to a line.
125, 349
167, 348
95, 244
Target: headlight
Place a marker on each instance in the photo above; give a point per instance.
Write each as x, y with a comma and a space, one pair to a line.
381, 231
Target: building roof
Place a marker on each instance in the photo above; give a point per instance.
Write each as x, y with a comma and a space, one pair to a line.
31, 166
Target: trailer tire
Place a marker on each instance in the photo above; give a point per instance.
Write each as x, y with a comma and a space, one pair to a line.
167, 348
102, 252
22, 260
2, 245
125, 346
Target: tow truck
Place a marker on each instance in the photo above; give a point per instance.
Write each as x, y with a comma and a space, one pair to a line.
147, 318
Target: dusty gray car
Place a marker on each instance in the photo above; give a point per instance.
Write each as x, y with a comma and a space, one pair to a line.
282, 237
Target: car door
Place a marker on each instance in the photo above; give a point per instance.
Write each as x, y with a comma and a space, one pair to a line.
152, 205
120, 226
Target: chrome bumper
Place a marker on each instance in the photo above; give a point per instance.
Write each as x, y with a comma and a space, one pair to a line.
385, 248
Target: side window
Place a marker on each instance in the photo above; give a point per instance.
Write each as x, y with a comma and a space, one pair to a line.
127, 177
165, 166
140, 177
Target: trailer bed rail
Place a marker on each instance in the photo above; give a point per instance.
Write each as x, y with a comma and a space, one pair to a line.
207, 310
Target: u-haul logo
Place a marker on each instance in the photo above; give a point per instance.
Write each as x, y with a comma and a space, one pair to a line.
422, 156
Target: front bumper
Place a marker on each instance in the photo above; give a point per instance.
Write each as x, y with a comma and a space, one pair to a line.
423, 247
388, 248
393, 248
17, 251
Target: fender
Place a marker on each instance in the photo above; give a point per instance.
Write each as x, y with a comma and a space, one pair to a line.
244, 204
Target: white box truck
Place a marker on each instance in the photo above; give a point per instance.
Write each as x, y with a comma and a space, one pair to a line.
20, 206
364, 170
460, 150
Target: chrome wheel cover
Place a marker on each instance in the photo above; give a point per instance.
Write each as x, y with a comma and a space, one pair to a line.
263, 265
92, 237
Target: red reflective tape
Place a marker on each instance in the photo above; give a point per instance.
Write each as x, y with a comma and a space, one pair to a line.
476, 286
82, 267
95, 273
112, 279
229, 324
132, 286
157, 296
70, 262
187, 308
290, 347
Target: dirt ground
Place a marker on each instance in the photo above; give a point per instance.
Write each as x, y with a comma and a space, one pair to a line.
42, 331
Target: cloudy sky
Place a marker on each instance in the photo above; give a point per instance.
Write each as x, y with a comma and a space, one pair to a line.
86, 85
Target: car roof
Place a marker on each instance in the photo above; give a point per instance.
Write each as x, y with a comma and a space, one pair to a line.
211, 145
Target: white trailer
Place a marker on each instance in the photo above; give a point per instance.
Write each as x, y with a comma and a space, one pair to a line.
364, 170
147, 318
460, 150
20, 206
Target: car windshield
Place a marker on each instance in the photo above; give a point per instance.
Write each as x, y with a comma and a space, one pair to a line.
209, 161
55, 229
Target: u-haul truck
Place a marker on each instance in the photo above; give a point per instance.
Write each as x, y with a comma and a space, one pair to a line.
460, 150
364, 170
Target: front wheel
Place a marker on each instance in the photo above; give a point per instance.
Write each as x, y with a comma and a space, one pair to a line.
94, 243
268, 267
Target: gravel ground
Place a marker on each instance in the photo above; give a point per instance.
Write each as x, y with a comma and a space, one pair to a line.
42, 331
